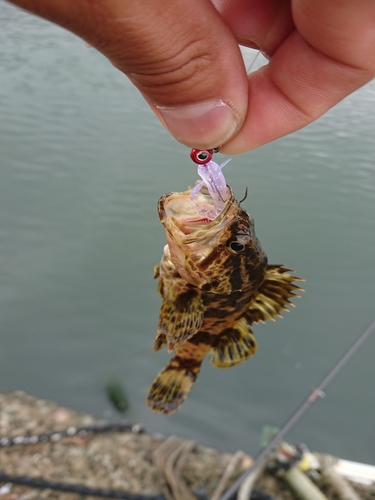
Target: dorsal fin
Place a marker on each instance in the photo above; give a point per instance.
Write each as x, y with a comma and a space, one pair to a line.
234, 346
274, 294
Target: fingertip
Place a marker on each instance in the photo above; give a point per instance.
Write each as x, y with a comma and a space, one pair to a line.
203, 125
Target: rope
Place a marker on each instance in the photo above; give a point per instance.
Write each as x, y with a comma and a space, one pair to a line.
169, 458
55, 436
227, 474
246, 489
74, 488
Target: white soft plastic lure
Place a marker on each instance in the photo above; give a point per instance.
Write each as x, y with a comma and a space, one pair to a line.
214, 179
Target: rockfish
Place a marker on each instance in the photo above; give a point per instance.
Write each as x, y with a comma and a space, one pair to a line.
215, 282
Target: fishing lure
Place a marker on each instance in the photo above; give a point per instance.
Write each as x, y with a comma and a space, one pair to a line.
213, 178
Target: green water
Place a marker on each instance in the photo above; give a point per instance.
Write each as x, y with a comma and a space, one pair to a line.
83, 163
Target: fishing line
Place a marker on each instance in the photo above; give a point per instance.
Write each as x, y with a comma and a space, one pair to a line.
301, 410
253, 62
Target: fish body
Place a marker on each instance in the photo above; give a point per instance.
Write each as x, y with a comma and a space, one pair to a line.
215, 282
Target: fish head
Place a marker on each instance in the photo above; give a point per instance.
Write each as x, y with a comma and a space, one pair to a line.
218, 256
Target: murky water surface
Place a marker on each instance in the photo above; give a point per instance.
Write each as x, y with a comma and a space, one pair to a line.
83, 163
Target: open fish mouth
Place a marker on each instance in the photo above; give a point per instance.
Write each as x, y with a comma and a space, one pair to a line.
188, 217
188, 226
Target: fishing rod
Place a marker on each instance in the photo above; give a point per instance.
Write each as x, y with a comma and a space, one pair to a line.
301, 410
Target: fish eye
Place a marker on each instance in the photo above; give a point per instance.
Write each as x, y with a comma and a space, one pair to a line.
238, 243
236, 246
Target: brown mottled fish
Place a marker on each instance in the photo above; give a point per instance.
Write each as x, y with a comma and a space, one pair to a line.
215, 282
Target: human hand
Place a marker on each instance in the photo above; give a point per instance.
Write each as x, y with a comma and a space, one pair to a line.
183, 56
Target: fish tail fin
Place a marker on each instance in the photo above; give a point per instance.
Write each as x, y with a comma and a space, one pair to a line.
172, 385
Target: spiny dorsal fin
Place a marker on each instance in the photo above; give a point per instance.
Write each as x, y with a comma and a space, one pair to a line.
234, 346
274, 294
181, 316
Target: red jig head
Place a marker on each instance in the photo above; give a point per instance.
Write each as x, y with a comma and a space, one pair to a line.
201, 156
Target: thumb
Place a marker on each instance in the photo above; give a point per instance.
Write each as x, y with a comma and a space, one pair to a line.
187, 64
179, 54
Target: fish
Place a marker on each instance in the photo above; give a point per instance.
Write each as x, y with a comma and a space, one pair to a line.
215, 282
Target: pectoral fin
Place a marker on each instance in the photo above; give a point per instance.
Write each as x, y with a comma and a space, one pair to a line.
274, 294
181, 316
234, 346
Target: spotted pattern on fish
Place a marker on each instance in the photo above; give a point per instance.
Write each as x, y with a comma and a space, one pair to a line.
216, 282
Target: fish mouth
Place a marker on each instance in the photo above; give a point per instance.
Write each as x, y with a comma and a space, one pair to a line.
191, 236
180, 215
188, 226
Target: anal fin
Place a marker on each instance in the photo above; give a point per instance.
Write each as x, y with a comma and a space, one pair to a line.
234, 346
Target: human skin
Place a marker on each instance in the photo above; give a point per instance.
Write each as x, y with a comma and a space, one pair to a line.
183, 56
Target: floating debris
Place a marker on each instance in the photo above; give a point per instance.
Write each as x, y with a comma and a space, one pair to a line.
116, 395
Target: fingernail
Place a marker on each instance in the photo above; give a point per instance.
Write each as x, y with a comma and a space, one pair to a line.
204, 125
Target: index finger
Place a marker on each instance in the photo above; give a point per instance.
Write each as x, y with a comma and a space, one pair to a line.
306, 78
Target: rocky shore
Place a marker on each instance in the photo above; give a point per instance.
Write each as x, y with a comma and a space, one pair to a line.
139, 463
